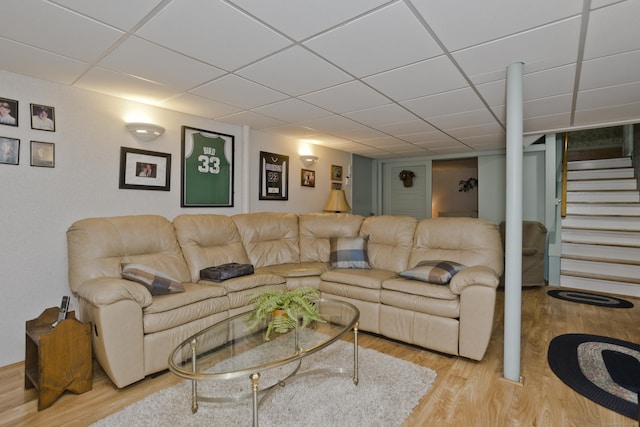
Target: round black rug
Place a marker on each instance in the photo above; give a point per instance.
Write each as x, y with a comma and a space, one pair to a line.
590, 298
604, 370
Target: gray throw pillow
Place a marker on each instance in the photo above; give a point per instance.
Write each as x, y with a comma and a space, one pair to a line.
438, 272
156, 282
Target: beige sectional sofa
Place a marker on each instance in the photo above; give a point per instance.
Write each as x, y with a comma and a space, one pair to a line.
134, 332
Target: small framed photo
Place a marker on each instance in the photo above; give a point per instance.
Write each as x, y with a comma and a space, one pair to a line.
9, 150
8, 112
144, 170
308, 178
336, 173
336, 186
43, 118
43, 154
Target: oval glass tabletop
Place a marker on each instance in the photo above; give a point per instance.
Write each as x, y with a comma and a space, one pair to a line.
231, 348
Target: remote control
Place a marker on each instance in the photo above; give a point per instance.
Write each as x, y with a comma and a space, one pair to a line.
64, 308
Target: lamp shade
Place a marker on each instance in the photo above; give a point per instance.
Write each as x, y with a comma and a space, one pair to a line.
337, 202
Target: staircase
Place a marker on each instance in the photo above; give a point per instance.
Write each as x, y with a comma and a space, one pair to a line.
601, 232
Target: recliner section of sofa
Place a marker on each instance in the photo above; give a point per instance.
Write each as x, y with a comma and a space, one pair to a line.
134, 332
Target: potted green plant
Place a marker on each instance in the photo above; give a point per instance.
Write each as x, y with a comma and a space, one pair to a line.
287, 308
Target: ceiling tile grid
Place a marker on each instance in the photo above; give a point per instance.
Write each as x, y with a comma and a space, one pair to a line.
380, 78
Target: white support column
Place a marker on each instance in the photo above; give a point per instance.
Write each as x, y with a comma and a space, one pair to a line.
513, 230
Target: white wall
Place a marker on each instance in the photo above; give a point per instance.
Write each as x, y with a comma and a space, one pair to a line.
37, 205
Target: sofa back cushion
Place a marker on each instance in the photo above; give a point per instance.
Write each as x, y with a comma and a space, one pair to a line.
269, 238
390, 240
208, 240
317, 228
468, 241
98, 246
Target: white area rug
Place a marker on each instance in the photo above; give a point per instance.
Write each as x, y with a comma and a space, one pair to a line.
388, 390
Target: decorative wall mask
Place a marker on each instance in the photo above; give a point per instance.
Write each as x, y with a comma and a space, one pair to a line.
407, 177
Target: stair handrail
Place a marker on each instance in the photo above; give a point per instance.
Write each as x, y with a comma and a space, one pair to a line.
563, 196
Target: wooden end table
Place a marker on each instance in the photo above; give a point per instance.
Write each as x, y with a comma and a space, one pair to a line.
57, 359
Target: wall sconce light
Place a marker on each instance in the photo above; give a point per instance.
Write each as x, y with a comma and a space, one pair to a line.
145, 131
308, 160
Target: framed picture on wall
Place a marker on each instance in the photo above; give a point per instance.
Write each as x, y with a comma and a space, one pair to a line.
8, 112
144, 170
336, 173
43, 154
307, 178
9, 150
274, 176
207, 168
43, 118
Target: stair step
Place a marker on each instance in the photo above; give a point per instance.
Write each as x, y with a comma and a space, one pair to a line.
602, 237
602, 184
626, 209
602, 222
604, 196
612, 271
602, 252
621, 162
600, 285
600, 174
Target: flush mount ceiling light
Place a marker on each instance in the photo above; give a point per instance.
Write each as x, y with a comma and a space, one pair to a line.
145, 131
308, 159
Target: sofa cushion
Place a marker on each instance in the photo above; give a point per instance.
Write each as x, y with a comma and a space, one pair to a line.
269, 238
316, 229
155, 281
390, 241
438, 272
348, 252
415, 287
365, 278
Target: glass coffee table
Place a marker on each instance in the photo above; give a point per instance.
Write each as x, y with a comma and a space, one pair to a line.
230, 349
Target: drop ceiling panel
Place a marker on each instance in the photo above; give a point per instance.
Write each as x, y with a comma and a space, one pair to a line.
295, 71
332, 124
243, 93
404, 128
463, 25
611, 70
350, 96
387, 38
613, 30
319, 15
125, 86
199, 106
445, 103
213, 32
413, 81
385, 114
552, 46
628, 112
152, 62
34, 62
292, 111
608, 96
254, 120
47, 33
110, 12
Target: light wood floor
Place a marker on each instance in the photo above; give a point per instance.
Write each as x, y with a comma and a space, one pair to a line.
465, 393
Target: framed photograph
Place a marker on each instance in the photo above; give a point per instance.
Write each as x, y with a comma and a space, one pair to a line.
43, 118
144, 170
207, 168
336, 173
274, 176
9, 150
336, 186
43, 154
307, 178
8, 112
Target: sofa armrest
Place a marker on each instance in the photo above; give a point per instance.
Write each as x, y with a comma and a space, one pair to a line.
108, 290
476, 275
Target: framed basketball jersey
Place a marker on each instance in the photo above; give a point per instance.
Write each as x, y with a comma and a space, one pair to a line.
207, 168
274, 176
